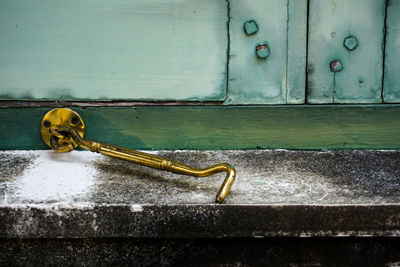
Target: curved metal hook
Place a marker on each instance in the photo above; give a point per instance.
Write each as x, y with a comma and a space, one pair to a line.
63, 129
154, 161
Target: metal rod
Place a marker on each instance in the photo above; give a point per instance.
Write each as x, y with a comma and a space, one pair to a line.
155, 161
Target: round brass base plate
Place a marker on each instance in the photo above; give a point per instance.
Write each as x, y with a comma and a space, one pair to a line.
52, 129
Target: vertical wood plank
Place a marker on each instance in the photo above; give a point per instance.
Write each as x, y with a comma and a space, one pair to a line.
120, 49
279, 78
391, 92
297, 45
339, 74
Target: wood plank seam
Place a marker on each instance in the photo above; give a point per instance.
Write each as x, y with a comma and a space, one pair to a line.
384, 50
228, 48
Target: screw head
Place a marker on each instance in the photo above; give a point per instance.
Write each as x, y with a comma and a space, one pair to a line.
262, 51
250, 27
350, 42
336, 65
74, 120
46, 123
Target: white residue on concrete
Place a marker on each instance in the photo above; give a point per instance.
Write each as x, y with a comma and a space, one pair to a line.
57, 178
136, 208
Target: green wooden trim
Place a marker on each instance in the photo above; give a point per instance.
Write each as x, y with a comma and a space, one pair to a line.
219, 127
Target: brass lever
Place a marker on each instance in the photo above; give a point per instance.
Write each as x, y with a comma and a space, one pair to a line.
63, 130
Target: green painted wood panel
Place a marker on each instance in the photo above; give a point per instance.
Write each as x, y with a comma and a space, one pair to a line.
358, 76
120, 49
391, 92
296, 51
216, 127
280, 78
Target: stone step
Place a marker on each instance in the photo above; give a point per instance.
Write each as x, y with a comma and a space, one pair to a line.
80, 194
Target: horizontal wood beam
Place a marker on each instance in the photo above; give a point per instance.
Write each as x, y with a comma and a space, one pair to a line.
315, 127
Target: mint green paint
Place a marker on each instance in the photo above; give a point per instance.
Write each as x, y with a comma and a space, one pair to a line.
120, 49
350, 43
280, 78
330, 22
250, 27
253, 80
296, 52
216, 127
391, 92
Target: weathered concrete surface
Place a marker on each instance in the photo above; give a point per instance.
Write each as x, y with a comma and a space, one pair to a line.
277, 193
263, 177
201, 252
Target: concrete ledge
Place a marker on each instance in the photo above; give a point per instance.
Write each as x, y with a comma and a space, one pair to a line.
235, 252
199, 221
277, 193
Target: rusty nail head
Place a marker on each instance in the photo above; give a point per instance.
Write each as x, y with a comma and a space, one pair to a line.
350, 42
250, 27
262, 51
336, 65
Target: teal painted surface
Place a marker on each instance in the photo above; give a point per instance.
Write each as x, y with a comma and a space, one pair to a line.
219, 127
278, 79
296, 54
330, 22
391, 92
120, 49
250, 27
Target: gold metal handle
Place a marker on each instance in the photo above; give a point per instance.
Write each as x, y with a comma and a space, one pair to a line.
63, 130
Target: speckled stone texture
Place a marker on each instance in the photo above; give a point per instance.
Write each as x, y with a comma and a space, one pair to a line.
264, 177
277, 193
83, 208
201, 252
